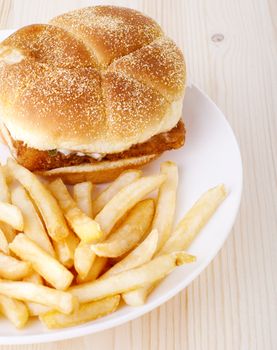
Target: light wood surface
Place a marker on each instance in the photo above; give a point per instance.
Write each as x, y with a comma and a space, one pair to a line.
231, 51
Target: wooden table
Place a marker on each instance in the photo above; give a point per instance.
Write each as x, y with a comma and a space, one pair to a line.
230, 47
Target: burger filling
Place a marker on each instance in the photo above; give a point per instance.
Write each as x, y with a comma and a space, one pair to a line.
36, 160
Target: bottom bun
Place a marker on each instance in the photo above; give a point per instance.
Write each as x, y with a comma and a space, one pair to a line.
105, 171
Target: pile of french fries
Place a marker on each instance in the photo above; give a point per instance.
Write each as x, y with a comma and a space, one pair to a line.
68, 256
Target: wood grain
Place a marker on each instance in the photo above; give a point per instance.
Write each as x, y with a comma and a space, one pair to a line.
231, 51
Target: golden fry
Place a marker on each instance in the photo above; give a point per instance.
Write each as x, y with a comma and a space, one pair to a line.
83, 259
34, 277
129, 233
195, 219
165, 209
36, 309
96, 269
86, 228
33, 226
4, 193
26, 291
65, 249
82, 194
85, 313
8, 231
14, 310
46, 203
13, 269
125, 199
131, 279
42, 262
124, 179
11, 215
4, 244
139, 256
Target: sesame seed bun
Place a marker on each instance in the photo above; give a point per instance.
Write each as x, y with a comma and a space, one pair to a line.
99, 79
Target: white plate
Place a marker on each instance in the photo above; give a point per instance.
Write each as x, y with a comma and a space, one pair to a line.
209, 157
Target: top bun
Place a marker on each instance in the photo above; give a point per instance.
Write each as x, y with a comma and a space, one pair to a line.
99, 79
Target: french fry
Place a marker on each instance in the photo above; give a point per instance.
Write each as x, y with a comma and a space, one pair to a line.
196, 218
33, 277
46, 203
137, 297
96, 269
26, 291
85, 313
65, 249
4, 193
139, 256
83, 259
36, 309
86, 228
83, 255
14, 310
82, 194
185, 232
33, 226
13, 269
131, 279
7, 174
124, 179
8, 231
4, 244
129, 233
42, 262
11, 215
125, 199
165, 208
